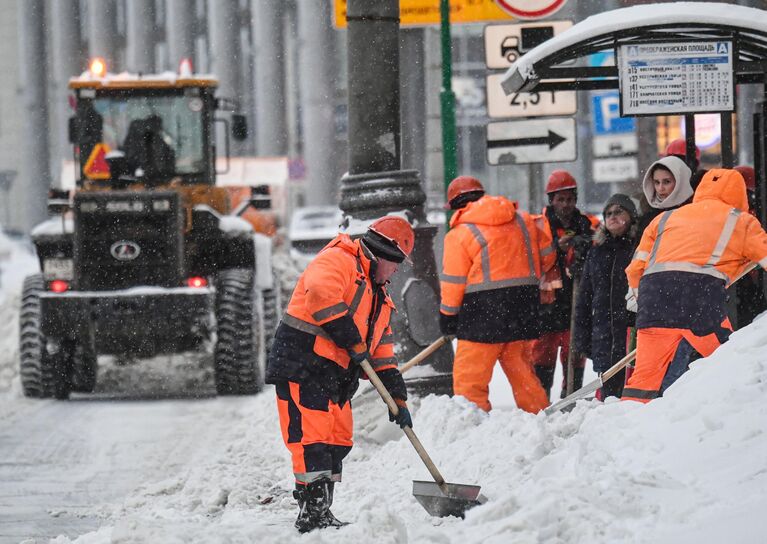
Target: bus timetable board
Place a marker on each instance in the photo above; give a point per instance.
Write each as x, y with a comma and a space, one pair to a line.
669, 78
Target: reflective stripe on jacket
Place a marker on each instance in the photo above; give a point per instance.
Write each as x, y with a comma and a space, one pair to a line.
688, 256
493, 250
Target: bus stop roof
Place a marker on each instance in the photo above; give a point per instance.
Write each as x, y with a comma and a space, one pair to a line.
541, 69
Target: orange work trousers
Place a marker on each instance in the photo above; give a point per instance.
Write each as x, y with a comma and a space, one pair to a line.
473, 369
655, 350
316, 431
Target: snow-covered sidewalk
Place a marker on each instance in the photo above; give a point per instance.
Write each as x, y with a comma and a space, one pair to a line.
691, 467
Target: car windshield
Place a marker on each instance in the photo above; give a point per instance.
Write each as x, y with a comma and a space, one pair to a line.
161, 136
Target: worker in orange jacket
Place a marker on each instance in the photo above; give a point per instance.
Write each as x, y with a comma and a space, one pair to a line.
686, 259
339, 314
494, 259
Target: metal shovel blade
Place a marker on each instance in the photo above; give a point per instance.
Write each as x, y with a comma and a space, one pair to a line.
459, 499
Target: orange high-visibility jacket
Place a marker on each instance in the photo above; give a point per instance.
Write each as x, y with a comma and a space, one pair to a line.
494, 259
337, 284
688, 256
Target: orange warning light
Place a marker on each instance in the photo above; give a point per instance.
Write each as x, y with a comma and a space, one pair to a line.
98, 67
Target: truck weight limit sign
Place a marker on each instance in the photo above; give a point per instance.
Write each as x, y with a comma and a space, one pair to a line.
530, 9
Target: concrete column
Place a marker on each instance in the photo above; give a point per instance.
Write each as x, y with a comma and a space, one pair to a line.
376, 184
34, 160
269, 80
413, 103
317, 70
140, 39
225, 60
102, 32
68, 61
179, 31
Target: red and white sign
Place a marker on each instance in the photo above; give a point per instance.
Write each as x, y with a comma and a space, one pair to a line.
531, 9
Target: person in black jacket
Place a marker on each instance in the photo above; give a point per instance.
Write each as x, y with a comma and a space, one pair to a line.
571, 232
601, 318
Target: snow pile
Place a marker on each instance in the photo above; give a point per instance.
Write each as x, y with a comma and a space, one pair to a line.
690, 467
16, 262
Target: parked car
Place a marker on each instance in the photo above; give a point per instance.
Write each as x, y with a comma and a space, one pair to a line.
310, 229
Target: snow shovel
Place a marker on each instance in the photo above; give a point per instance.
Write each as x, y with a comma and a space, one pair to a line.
589, 388
439, 498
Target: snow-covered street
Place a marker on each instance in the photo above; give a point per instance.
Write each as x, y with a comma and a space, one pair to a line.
116, 467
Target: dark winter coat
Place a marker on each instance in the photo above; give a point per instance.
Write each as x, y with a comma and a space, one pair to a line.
555, 317
601, 316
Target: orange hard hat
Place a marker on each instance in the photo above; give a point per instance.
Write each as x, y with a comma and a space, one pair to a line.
395, 238
679, 147
749, 176
560, 180
462, 185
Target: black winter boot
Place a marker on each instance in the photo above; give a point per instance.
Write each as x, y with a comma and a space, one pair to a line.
546, 377
329, 518
313, 504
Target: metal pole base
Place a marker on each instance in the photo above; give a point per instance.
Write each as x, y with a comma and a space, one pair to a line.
414, 288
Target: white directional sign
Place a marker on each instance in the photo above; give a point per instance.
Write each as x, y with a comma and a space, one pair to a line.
535, 104
504, 44
615, 145
669, 78
531, 140
615, 169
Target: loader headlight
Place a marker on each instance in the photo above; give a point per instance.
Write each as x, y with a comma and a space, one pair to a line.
89, 207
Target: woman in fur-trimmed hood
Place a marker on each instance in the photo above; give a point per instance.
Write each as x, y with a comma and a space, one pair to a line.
601, 318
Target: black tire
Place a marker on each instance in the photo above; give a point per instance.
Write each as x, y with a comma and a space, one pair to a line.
272, 312
238, 352
39, 371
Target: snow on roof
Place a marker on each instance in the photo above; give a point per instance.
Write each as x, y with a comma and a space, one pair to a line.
127, 79
680, 13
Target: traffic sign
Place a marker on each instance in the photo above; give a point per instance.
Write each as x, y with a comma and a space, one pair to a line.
534, 104
615, 169
606, 114
504, 44
615, 145
96, 167
426, 12
531, 141
531, 9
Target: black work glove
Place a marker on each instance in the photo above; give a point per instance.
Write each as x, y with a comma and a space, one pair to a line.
358, 353
402, 418
448, 324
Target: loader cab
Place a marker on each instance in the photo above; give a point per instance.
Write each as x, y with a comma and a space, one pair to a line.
149, 131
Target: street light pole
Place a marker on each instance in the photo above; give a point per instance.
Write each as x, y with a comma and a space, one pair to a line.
447, 101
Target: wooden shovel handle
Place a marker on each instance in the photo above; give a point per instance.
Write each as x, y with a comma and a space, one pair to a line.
434, 346
394, 409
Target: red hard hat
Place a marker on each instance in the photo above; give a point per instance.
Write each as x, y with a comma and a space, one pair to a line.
560, 180
462, 185
749, 176
679, 147
397, 231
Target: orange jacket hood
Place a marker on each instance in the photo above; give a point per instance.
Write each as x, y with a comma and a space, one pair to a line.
724, 185
353, 247
488, 210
